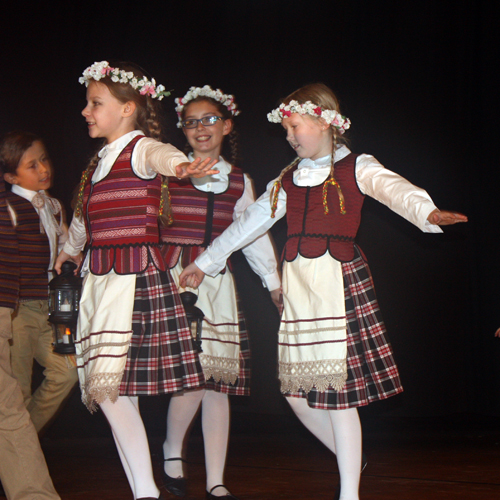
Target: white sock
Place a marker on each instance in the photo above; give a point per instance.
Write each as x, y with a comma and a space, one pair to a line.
181, 412
128, 429
340, 432
316, 421
215, 418
348, 438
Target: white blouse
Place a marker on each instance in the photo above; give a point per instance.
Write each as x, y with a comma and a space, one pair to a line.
148, 158
394, 191
260, 253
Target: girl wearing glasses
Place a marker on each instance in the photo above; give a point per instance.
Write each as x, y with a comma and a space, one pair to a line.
201, 210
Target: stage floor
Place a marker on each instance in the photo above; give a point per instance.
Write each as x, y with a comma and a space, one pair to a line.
272, 457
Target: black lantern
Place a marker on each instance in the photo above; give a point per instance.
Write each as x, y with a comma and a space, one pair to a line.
194, 316
64, 298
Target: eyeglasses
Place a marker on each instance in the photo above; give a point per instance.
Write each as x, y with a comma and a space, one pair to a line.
206, 121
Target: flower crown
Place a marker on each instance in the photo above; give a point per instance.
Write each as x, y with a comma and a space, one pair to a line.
102, 69
206, 91
330, 116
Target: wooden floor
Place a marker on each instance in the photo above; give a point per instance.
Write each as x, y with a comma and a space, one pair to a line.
272, 457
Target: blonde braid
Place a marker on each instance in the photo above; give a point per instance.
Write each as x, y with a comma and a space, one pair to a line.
331, 181
277, 187
77, 202
152, 120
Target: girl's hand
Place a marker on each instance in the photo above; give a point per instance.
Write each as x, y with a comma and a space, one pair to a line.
196, 169
497, 333
63, 257
445, 217
277, 298
192, 276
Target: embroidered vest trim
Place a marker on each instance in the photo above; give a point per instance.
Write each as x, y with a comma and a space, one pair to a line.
121, 219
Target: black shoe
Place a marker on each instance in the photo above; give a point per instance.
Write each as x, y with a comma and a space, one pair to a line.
228, 496
174, 485
364, 463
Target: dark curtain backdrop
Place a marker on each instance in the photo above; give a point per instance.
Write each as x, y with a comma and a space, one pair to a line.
417, 79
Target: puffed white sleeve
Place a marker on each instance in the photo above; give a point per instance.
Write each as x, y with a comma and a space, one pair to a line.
394, 191
77, 237
151, 157
260, 254
252, 223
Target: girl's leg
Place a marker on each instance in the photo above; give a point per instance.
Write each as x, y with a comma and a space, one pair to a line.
339, 431
215, 423
181, 412
128, 429
318, 422
348, 439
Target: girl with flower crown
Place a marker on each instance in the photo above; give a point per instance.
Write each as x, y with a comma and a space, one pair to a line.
202, 209
333, 352
132, 336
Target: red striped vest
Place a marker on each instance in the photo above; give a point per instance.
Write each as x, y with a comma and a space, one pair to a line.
34, 250
311, 233
121, 219
199, 217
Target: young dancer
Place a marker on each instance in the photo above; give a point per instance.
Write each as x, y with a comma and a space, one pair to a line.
133, 336
41, 231
23, 470
202, 209
333, 353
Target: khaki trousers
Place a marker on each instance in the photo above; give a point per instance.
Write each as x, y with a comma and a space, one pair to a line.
23, 470
32, 339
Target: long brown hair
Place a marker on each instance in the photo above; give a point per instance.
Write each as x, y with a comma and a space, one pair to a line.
147, 119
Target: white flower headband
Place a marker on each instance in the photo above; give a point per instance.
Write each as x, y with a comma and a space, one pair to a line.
330, 116
206, 91
102, 69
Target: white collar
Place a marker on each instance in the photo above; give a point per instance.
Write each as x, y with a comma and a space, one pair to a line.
325, 161
119, 143
27, 194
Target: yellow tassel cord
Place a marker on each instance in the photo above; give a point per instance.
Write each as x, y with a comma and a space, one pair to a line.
164, 187
333, 182
274, 197
81, 189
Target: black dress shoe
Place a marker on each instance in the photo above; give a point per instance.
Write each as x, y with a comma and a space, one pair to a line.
228, 496
174, 485
364, 463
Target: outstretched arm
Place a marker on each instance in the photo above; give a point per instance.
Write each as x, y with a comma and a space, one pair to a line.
445, 217
197, 168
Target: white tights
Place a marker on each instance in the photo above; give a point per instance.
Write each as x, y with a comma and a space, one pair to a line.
132, 443
340, 432
215, 418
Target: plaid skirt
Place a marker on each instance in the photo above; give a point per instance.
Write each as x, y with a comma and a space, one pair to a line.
214, 329
161, 357
372, 373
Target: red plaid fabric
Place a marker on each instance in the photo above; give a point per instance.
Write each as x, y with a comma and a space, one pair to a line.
161, 358
372, 373
242, 385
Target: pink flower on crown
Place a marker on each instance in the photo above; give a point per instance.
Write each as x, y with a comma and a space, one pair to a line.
147, 89
287, 113
317, 110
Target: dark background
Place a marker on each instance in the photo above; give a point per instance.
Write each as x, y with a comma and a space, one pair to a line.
417, 80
